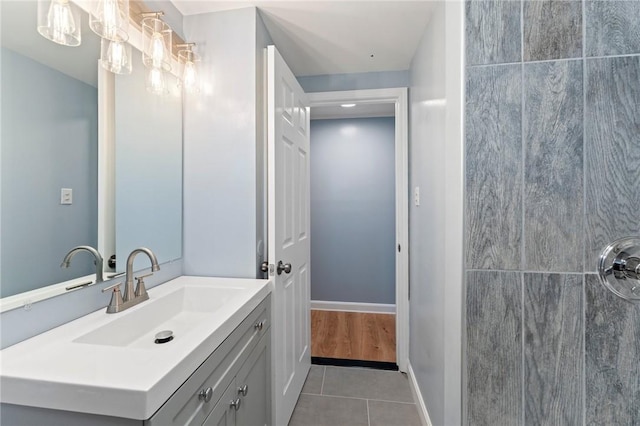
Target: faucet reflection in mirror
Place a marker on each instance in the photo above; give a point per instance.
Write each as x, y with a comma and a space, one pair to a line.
59, 21
98, 261
131, 297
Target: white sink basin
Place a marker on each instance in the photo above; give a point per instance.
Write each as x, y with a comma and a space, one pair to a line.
181, 311
109, 364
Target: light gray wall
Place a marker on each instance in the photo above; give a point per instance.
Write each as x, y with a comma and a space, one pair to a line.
353, 210
354, 81
427, 233
49, 142
552, 119
220, 189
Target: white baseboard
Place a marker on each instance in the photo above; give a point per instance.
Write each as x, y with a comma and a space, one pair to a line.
376, 308
417, 395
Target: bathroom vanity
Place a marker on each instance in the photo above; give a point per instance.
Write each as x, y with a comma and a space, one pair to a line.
109, 369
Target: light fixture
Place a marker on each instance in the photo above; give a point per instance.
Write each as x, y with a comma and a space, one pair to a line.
110, 19
156, 81
189, 74
156, 41
59, 21
115, 56
348, 105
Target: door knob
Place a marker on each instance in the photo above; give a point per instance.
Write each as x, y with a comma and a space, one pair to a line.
286, 267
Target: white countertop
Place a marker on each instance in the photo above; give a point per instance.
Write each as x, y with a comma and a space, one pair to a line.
52, 370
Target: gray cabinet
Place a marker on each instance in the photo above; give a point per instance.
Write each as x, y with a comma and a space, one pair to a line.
224, 413
236, 377
254, 386
247, 399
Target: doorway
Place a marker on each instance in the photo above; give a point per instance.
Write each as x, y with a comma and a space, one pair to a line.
357, 329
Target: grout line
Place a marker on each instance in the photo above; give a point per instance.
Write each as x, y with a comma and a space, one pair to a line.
523, 260
542, 61
368, 416
524, 364
584, 201
530, 272
360, 399
324, 372
584, 350
584, 212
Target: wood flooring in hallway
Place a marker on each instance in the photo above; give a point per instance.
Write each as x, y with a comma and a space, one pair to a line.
353, 335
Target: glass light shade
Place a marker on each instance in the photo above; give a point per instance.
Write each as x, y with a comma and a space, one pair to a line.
156, 44
110, 19
189, 73
156, 82
59, 21
115, 56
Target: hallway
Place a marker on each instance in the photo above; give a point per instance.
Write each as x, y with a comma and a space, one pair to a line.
353, 335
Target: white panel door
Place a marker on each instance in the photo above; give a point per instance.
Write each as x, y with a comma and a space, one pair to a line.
288, 176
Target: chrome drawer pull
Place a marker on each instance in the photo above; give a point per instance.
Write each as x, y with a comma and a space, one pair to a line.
258, 326
235, 404
205, 394
243, 390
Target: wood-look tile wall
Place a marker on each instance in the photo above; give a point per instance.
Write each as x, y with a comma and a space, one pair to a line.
552, 122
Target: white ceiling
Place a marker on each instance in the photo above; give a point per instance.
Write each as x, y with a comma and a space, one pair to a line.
335, 37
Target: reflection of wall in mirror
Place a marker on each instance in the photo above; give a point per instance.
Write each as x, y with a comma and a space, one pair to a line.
49, 142
148, 159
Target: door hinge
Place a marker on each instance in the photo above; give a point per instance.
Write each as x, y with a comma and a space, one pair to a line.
399, 248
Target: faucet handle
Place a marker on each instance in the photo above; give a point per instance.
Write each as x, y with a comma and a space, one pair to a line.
141, 291
115, 287
116, 298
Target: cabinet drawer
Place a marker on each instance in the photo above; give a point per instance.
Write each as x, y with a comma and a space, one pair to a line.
194, 400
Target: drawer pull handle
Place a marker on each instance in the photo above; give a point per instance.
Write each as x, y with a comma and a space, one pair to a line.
205, 394
258, 326
243, 390
235, 404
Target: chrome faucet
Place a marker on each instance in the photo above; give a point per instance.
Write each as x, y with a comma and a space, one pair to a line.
98, 260
131, 297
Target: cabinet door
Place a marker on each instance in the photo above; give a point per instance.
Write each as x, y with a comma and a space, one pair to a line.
224, 413
253, 386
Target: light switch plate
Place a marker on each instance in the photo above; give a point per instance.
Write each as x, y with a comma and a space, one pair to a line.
416, 196
66, 196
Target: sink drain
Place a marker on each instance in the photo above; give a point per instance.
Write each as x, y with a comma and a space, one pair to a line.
164, 337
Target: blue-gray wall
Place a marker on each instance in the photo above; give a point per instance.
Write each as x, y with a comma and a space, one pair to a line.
354, 81
552, 119
353, 210
49, 142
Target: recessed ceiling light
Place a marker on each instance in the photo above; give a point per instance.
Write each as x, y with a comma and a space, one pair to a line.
348, 105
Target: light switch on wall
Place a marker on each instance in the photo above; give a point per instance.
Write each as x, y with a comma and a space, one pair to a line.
416, 196
66, 196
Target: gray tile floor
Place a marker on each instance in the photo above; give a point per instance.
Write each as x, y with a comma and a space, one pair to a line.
350, 396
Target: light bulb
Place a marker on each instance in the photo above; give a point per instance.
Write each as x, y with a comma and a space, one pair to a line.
190, 76
155, 81
110, 17
60, 21
117, 57
157, 50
